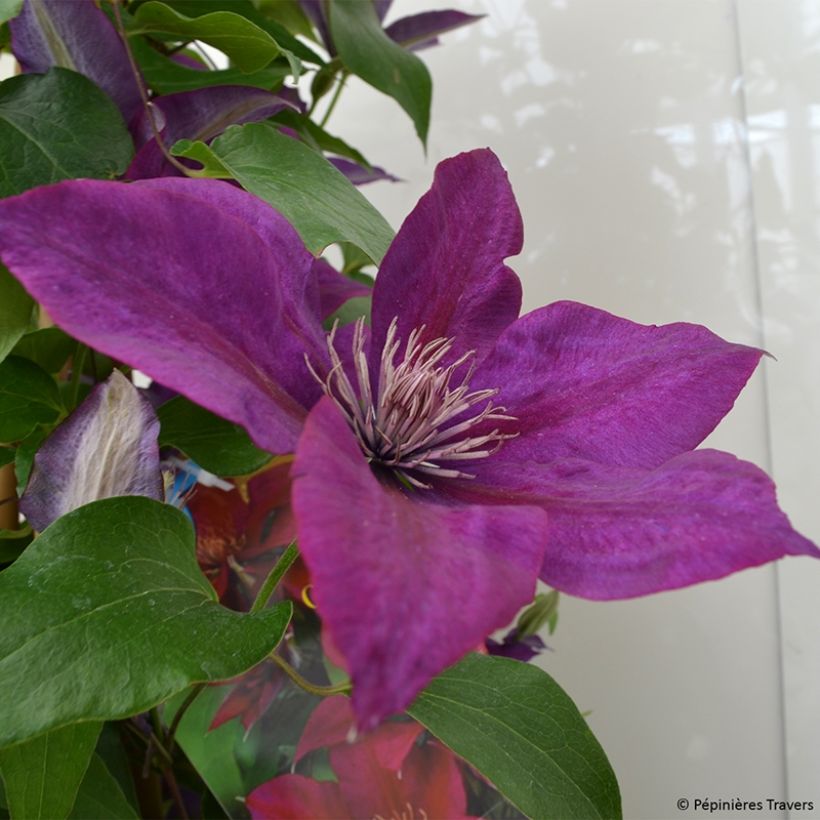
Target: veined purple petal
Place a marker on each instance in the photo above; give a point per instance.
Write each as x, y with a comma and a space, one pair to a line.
75, 35
423, 582
198, 284
445, 267
107, 447
359, 175
619, 532
422, 30
583, 383
335, 288
201, 115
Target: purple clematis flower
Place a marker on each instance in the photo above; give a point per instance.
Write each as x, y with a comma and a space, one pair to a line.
416, 32
447, 456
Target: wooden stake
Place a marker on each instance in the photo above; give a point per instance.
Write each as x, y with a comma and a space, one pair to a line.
8, 498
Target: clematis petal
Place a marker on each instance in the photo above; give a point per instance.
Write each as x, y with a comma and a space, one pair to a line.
583, 383
329, 724
78, 36
434, 782
520, 649
423, 582
360, 175
620, 532
294, 797
251, 696
445, 267
382, 7
335, 288
422, 30
107, 447
216, 305
201, 115
369, 787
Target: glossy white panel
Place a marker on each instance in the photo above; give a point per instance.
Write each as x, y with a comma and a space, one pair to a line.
781, 56
622, 125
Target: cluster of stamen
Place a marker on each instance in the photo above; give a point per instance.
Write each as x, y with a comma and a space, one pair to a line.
409, 423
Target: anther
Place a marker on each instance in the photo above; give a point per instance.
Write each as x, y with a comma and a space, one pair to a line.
408, 423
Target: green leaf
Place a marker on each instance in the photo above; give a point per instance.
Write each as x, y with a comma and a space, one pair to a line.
43, 775
287, 13
543, 610
165, 76
9, 9
16, 311
108, 612
248, 46
353, 260
48, 348
112, 752
519, 728
323, 81
58, 126
212, 753
280, 33
28, 397
350, 311
101, 796
368, 52
24, 456
215, 444
315, 198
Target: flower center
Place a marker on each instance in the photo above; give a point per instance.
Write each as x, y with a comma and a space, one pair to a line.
421, 420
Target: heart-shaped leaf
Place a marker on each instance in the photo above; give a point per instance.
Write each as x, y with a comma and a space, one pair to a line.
58, 126
515, 724
313, 196
107, 614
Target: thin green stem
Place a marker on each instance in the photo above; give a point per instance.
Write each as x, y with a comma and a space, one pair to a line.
303, 683
146, 103
190, 698
334, 99
275, 576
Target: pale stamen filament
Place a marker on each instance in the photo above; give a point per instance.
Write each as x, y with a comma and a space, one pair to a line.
406, 423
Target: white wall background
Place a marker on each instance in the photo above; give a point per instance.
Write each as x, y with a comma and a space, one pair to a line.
665, 156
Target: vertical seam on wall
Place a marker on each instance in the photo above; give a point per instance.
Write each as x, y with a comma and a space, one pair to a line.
761, 334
